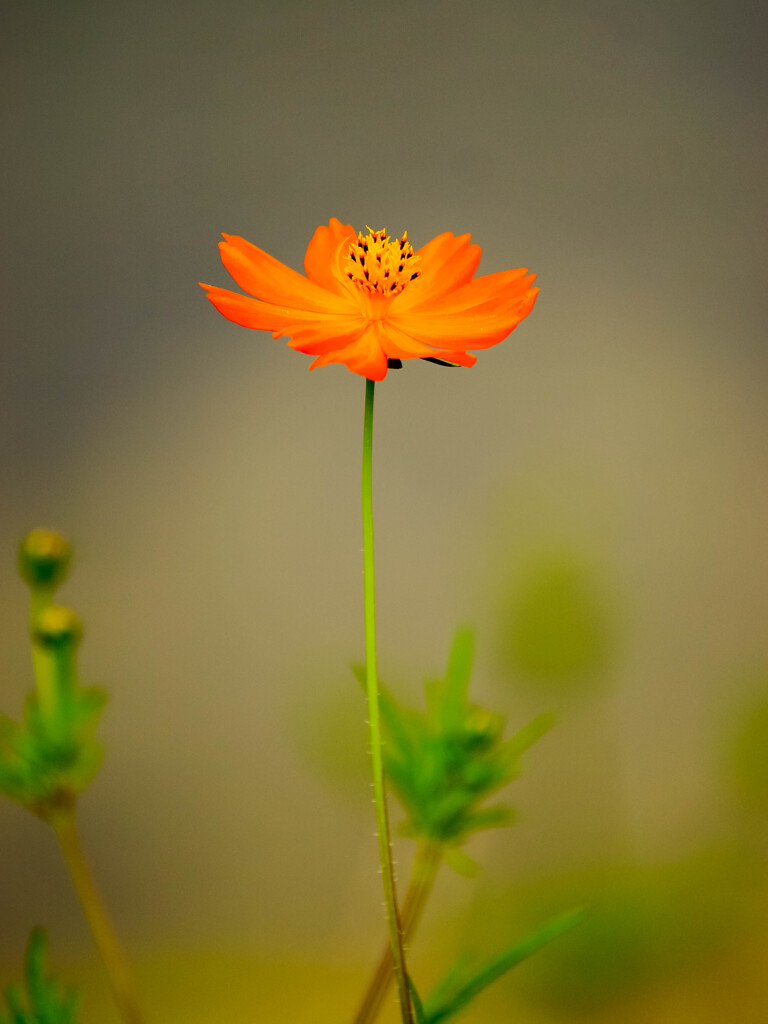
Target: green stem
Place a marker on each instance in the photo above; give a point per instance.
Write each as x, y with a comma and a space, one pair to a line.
107, 943
372, 691
425, 865
43, 665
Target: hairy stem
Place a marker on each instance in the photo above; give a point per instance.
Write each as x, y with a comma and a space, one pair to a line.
423, 875
107, 943
372, 691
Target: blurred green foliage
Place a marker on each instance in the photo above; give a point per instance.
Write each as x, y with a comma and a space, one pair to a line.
45, 759
555, 624
39, 999
645, 926
51, 754
328, 719
748, 755
443, 764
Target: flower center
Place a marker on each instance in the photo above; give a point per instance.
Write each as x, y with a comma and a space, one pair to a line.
378, 264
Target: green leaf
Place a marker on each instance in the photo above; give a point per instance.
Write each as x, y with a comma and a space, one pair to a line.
41, 1000
461, 862
15, 1002
34, 968
529, 734
457, 678
454, 994
418, 1007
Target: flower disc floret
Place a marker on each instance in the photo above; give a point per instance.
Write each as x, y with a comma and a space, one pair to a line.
378, 264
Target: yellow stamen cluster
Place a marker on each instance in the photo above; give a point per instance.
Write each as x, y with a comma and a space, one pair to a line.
377, 263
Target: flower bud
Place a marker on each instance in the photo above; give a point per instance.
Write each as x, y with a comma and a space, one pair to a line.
482, 728
44, 558
56, 628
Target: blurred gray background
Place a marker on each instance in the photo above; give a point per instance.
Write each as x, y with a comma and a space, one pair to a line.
210, 484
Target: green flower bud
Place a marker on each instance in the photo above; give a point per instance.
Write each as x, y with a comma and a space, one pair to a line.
44, 558
482, 728
56, 628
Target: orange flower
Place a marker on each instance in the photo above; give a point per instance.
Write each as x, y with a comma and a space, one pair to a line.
368, 301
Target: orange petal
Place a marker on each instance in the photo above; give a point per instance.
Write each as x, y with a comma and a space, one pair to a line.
462, 358
317, 339
485, 294
263, 316
466, 330
399, 345
364, 356
322, 252
447, 263
268, 279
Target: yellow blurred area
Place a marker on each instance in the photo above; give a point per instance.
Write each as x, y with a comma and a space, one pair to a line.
229, 986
